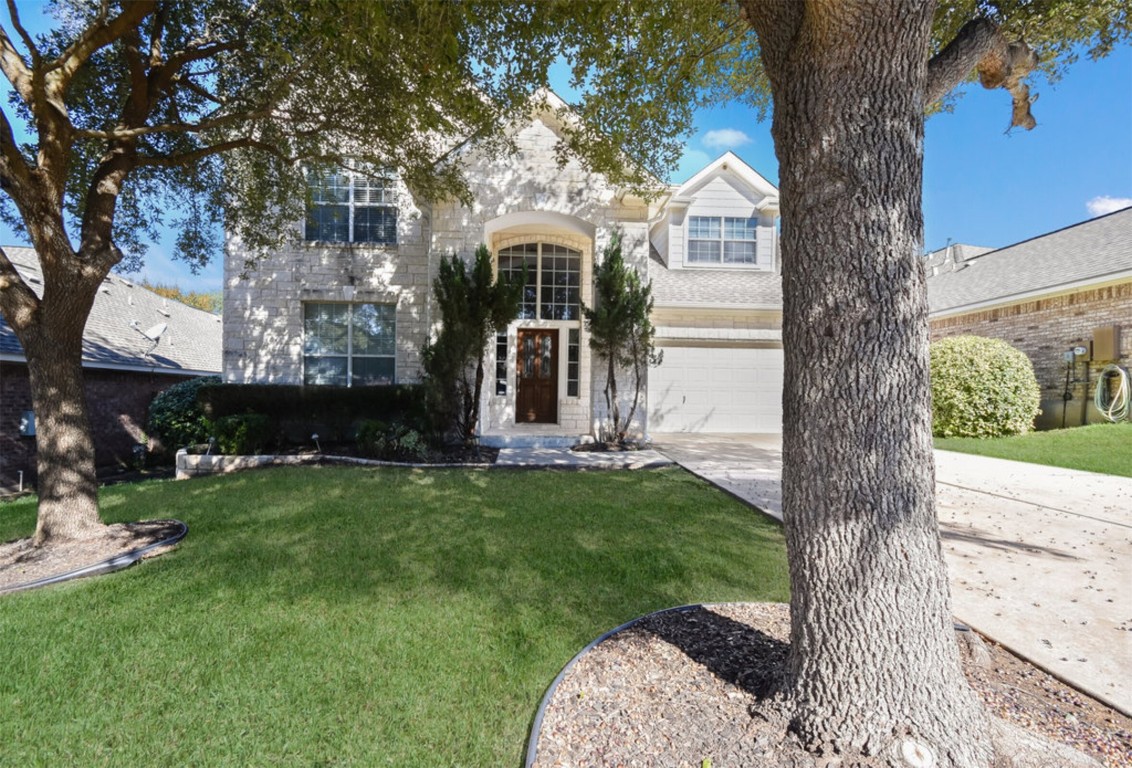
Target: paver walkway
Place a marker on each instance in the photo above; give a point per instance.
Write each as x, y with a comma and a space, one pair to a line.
1040, 558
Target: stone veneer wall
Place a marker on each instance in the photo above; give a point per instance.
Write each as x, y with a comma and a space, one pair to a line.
1045, 329
532, 181
117, 404
263, 309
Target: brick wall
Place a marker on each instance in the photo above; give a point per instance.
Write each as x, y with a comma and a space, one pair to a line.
1045, 329
117, 403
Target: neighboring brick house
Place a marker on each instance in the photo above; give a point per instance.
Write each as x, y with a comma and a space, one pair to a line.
122, 367
352, 302
1045, 296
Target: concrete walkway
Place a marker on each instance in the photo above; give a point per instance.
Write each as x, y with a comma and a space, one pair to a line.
1040, 558
559, 458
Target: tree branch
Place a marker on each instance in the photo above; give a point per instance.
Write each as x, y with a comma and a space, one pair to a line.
94, 37
14, 67
188, 158
127, 134
981, 45
17, 300
14, 13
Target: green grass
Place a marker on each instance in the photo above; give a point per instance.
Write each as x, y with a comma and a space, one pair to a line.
1104, 448
356, 617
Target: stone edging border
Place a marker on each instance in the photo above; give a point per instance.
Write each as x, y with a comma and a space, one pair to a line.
116, 563
203, 465
536, 725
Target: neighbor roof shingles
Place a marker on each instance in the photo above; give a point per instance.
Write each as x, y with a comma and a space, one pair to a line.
1087, 251
192, 340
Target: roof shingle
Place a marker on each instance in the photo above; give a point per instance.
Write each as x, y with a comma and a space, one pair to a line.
191, 342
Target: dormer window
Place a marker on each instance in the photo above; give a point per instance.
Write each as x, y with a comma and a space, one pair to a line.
721, 240
352, 207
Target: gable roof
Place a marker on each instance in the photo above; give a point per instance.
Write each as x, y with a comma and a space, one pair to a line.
1095, 251
733, 165
113, 338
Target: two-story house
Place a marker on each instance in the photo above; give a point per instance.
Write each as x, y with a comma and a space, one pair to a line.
352, 303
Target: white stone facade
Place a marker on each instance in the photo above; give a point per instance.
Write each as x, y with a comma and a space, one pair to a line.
522, 198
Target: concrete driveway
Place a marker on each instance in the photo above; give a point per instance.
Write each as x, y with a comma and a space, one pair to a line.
1040, 558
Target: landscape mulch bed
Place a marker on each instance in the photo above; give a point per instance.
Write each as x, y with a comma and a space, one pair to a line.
21, 563
687, 688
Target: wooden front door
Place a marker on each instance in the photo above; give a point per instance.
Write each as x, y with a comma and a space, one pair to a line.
537, 398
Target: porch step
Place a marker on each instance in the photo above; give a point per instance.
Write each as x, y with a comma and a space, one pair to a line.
533, 441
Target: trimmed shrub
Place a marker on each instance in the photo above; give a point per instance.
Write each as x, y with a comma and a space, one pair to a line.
243, 434
175, 416
398, 442
332, 412
981, 388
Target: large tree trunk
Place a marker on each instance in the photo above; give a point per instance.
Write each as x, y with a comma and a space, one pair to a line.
66, 483
874, 661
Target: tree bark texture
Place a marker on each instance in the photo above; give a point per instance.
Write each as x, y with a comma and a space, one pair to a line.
67, 486
874, 661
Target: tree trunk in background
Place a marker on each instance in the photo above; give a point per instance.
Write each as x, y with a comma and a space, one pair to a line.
67, 486
873, 653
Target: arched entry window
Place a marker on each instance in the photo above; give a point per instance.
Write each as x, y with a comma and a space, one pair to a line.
554, 279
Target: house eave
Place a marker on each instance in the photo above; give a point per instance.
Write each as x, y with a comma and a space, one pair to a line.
8, 357
1048, 292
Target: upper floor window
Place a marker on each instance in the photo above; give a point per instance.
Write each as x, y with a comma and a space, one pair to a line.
352, 207
721, 240
554, 278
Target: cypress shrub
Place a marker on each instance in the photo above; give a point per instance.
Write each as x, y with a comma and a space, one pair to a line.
981, 388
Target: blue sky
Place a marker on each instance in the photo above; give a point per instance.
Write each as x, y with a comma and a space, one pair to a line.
982, 185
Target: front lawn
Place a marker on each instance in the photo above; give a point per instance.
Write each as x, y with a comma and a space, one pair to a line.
1105, 448
335, 616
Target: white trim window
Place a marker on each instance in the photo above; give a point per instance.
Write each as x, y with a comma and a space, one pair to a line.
722, 240
553, 290
352, 207
349, 345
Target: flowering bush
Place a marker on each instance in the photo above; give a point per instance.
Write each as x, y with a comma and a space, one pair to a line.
981, 388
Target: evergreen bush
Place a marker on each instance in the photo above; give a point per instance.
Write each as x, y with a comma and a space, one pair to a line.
981, 388
396, 442
243, 434
176, 417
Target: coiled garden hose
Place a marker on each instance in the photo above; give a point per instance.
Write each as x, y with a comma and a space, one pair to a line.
1118, 407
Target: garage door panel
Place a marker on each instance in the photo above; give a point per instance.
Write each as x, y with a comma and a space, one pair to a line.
716, 389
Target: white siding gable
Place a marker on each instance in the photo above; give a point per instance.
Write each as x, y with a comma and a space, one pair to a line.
727, 188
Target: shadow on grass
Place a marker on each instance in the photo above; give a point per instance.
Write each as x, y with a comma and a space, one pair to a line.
593, 550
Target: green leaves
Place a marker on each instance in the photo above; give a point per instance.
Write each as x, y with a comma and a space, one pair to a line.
981, 388
472, 307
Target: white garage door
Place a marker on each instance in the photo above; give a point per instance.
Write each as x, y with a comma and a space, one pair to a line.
716, 389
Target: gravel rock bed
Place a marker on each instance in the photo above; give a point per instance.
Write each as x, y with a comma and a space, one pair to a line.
21, 563
686, 688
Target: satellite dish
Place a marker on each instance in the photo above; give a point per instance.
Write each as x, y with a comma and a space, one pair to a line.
154, 333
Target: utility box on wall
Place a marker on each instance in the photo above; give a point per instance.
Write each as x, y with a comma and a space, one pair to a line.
1106, 343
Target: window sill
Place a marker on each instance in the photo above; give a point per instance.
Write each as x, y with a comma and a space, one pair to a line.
351, 246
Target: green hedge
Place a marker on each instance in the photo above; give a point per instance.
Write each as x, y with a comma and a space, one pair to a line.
296, 412
981, 388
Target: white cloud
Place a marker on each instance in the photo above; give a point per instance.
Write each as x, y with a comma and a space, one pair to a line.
725, 138
1103, 204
